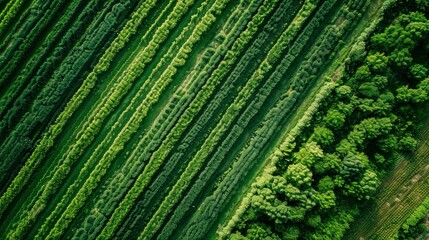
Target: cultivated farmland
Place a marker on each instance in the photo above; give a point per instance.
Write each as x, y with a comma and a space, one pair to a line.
192, 119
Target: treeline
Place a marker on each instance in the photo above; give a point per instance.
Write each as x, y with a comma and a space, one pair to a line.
336, 163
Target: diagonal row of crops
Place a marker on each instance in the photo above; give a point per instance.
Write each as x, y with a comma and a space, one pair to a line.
138, 119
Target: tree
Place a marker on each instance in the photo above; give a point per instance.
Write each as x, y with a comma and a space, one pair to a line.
363, 73
388, 143
369, 90
380, 81
402, 58
368, 185
407, 143
322, 136
237, 236
258, 231
377, 62
423, 5
291, 233
354, 165
308, 154
388, 97
299, 175
314, 220
334, 119
344, 91
363, 188
345, 147
326, 200
326, 184
410, 95
418, 71
329, 162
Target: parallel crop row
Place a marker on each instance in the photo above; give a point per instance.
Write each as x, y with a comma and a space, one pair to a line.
53, 132
8, 13
166, 119
93, 127
102, 165
158, 157
210, 142
93, 228
208, 114
11, 151
34, 27
56, 90
56, 44
213, 204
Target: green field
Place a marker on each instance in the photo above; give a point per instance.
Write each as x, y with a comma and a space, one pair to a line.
192, 119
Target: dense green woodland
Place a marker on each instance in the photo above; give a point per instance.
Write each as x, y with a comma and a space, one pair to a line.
193, 119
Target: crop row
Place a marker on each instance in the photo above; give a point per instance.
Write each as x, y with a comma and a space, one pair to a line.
110, 155
196, 105
134, 122
24, 40
29, 18
151, 28
8, 13
216, 159
213, 204
11, 151
88, 84
93, 127
223, 125
177, 103
57, 43
186, 142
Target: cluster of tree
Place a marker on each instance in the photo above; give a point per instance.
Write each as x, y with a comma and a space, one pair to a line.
338, 162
